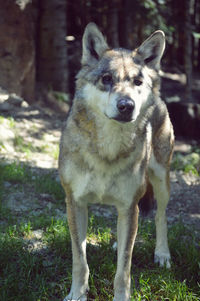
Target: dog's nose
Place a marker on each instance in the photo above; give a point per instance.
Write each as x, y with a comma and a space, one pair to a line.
125, 106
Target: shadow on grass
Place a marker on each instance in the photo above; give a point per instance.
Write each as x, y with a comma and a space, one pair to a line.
34, 269
45, 273
39, 274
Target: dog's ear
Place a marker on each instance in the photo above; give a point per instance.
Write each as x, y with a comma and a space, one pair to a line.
151, 50
94, 44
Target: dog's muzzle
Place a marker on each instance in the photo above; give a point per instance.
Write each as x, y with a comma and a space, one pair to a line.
125, 108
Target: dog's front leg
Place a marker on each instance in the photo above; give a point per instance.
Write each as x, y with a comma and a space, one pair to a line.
161, 189
126, 232
77, 221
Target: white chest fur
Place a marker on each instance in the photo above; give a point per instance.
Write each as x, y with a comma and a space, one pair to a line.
109, 186
106, 168
102, 181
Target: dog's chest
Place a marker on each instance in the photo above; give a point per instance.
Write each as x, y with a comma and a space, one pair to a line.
106, 168
101, 181
104, 187
114, 141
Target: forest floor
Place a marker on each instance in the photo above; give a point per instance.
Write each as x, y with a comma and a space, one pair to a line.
32, 208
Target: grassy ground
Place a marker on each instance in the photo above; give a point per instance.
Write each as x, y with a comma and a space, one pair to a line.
35, 250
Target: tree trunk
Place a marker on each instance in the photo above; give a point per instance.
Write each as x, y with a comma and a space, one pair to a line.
17, 49
179, 7
112, 23
126, 21
52, 49
188, 50
198, 64
198, 30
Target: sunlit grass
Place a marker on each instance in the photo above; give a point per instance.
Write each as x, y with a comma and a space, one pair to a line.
187, 163
25, 143
45, 274
38, 267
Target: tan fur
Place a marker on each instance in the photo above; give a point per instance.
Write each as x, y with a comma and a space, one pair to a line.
109, 158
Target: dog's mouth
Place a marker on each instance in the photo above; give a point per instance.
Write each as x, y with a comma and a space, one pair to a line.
120, 119
123, 119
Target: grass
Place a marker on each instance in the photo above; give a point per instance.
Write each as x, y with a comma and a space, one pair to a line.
45, 274
22, 145
28, 148
187, 163
36, 268
9, 121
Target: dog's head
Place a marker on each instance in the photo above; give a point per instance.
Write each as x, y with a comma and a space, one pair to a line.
119, 82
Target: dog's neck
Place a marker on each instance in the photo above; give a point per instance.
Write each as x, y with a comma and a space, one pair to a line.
107, 138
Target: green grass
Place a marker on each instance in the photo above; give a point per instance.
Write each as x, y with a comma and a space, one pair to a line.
21, 145
28, 148
8, 121
39, 269
21, 173
60, 96
14, 173
187, 163
45, 274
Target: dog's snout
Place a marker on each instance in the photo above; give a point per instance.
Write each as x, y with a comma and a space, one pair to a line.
125, 106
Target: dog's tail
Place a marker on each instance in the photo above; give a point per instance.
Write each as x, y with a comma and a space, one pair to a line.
147, 202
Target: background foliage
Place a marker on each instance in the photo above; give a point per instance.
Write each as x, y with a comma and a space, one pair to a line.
40, 41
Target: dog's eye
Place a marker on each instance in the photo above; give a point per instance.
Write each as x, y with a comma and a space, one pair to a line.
107, 79
137, 82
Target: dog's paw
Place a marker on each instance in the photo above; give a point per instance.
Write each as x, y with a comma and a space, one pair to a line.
163, 259
121, 298
114, 246
80, 299
71, 298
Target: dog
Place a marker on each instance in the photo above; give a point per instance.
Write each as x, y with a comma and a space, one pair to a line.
116, 147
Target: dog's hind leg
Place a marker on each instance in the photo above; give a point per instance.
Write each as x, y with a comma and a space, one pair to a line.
126, 232
159, 178
77, 221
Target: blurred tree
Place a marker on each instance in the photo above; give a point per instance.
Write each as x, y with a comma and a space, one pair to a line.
127, 23
52, 48
17, 48
42, 27
180, 19
183, 40
197, 29
96, 8
188, 48
113, 22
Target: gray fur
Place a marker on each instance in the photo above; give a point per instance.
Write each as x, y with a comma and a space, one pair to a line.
118, 138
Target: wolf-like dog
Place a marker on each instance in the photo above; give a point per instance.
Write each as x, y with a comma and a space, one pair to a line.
116, 147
